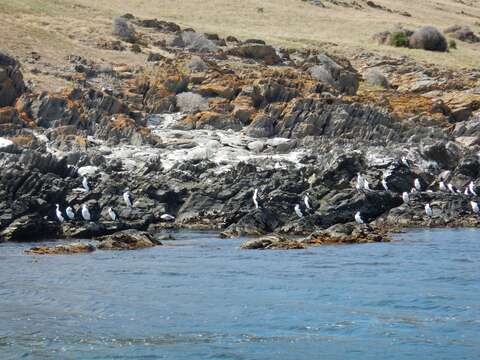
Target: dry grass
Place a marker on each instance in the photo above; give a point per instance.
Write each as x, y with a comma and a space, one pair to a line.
56, 28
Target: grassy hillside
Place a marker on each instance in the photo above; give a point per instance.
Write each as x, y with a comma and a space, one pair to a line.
60, 27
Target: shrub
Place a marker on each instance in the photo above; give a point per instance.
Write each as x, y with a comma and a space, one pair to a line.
428, 38
190, 102
399, 39
452, 44
122, 29
198, 42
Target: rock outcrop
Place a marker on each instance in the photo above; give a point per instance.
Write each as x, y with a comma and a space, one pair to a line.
272, 242
68, 249
194, 132
128, 240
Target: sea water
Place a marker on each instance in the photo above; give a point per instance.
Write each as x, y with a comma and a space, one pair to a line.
201, 297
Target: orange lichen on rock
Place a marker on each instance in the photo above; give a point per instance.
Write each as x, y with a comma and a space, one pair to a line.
407, 105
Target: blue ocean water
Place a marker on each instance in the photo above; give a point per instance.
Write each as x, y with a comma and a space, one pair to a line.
201, 297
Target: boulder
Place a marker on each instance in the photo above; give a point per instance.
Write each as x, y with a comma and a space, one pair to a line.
265, 53
258, 222
463, 33
272, 242
328, 71
30, 228
68, 249
346, 234
428, 38
128, 240
374, 77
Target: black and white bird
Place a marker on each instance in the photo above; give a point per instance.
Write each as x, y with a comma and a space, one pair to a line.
452, 188
113, 215
298, 211
417, 184
406, 198
358, 218
385, 185
360, 182
472, 188
86, 213
70, 213
428, 210
474, 206
366, 185
58, 212
442, 186
306, 200
127, 198
167, 217
255, 198
85, 184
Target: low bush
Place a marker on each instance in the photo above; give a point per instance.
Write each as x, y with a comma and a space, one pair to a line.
399, 39
189, 102
198, 42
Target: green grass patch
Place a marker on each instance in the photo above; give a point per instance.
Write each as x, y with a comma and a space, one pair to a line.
399, 39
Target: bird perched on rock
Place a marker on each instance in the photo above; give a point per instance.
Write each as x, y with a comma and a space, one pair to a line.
472, 188
452, 188
86, 213
385, 185
306, 200
298, 211
442, 186
358, 218
417, 184
113, 215
360, 182
85, 184
474, 206
366, 185
167, 217
406, 198
70, 213
58, 212
428, 210
255, 198
127, 197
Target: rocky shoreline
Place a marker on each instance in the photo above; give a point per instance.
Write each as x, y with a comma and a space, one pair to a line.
207, 121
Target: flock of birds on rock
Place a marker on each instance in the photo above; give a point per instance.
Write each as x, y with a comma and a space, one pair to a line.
363, 185
85, 212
